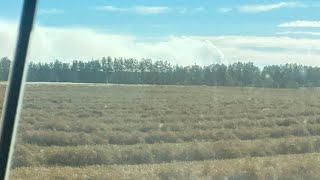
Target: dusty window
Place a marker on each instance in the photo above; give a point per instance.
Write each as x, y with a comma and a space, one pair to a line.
168, 90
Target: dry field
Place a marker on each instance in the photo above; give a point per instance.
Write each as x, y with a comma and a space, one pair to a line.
78, 131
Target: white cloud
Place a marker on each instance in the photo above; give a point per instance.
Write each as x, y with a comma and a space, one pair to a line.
312, 33
145, 10
267, 7
150, 9
191, 10
224, 10
67, 44
256, 8
110, 8
51, 11
8, 33
300, 24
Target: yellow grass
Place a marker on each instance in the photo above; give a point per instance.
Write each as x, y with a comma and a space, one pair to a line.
166, 132
279, 167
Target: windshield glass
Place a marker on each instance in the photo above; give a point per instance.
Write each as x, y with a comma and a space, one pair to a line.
167, 90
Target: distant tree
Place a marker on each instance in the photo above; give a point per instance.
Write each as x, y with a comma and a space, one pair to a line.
74, 71
5, 64
146, 71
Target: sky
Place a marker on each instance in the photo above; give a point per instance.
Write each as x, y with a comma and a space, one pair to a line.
182, 31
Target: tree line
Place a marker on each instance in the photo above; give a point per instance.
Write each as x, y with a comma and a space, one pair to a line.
146, 71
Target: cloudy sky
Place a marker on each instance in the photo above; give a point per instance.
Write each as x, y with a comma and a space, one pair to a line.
181, 31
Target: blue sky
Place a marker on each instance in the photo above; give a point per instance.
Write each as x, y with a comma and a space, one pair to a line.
167, 17
183, 31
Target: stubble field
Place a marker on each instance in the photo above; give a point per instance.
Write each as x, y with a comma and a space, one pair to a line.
90, 131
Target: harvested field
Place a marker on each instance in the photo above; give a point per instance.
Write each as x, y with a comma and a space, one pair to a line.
79, 131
